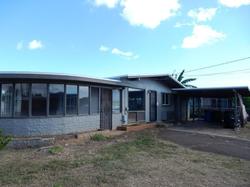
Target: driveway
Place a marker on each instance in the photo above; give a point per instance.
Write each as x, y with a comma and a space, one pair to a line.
208, 143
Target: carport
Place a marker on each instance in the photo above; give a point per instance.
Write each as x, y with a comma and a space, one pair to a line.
225, 104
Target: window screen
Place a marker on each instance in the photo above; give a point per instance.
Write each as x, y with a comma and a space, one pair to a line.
71, 99
6, 100
56, 99
21, 103
94, 100
83, 99
39, 99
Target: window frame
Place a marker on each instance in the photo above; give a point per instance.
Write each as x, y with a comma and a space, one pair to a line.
78, 98
167, 97
31, 100
63, 110
117, 111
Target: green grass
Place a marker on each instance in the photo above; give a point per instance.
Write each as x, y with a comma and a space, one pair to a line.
99, 137
55, 150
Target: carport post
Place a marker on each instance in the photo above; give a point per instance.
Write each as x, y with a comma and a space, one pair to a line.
235, 108
193, 108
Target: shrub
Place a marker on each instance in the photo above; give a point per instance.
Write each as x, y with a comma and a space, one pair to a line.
98, 137
56, 149
4, 140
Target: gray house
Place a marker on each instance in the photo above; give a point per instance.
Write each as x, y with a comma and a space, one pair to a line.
36, 104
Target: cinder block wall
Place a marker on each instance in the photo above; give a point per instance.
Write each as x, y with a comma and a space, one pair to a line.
49, 125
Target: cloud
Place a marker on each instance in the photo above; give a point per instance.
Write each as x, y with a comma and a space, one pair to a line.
202, 14
103, 48
35, 44
148, 13
234, 3
128, 55
178, 24
19, 45
107, 3
202, 34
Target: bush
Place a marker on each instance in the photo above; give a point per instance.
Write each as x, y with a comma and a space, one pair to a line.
4, 140
98, 137
56, 149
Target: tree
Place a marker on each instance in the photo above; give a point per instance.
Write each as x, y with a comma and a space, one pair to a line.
180, 78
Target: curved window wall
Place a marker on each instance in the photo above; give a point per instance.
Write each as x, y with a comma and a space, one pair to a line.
22, 100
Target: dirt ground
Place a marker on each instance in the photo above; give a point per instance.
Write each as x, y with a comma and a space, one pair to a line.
130, 159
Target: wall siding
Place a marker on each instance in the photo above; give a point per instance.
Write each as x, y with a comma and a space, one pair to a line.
49, 126
148, 84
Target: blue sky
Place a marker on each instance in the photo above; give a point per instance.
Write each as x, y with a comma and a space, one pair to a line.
101, 38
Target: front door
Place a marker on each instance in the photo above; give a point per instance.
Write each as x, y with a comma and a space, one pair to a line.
153, 105
106, 109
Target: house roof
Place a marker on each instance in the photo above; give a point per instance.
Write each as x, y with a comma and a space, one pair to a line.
57, 76
172, 83
213, 92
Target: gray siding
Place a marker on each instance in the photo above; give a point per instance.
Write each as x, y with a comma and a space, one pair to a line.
49, 126
163, 112
116, 120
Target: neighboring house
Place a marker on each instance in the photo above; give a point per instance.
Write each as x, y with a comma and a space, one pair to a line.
42, 104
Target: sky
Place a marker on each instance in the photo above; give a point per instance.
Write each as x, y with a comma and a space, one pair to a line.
105, 38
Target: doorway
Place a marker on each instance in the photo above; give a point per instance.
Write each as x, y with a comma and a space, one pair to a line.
106, 109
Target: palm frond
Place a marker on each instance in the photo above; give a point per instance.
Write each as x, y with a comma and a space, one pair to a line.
180, 77
188, 80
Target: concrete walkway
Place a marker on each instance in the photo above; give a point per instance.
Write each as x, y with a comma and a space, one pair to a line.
204, 142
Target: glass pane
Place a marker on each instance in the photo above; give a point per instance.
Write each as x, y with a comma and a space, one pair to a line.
6, 100
39, 99
94, 100
56, 99
116, 101
21, 104
83, 100
71, 99
136, 100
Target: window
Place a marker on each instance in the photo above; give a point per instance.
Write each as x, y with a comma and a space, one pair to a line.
94, 100
6, 100
83, 99
116, 101
71, 99
56, 99
39, 99
21, 103
136, 99
165, 99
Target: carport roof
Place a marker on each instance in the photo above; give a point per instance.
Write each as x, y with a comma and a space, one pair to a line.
213, 92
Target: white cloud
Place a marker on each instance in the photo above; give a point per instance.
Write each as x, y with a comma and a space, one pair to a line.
178, 24
128, 55
103, 48
108, 3
202, 34
202, 14
234, 3
149, 13
19, 45
35, 44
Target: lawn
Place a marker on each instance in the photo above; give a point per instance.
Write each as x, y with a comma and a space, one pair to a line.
131, 159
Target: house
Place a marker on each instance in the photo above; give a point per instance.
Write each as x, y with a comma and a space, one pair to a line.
42, 104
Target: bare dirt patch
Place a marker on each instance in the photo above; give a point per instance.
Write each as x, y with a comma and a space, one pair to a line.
131, 159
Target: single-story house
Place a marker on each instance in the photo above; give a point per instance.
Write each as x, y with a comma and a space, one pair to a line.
43, 104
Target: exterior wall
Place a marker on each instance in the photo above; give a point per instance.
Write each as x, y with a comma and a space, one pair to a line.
116, 120
163, 112
19, 127
49, 126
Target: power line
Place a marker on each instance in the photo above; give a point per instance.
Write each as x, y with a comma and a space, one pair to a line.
221, 73
220, 64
